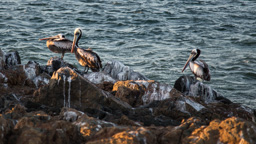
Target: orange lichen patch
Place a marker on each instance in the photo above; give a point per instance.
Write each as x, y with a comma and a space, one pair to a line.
234, 133
41, 114
125, 84
131, 136
68, 72
85, 131
1, 115
232, 130
8, 111
123, 138
131, 84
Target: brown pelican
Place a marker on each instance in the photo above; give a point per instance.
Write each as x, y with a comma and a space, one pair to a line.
86, 58
199, 68
58, 44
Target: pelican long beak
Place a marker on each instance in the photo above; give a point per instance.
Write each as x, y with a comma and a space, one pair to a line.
53, 37
189, 59
74, 43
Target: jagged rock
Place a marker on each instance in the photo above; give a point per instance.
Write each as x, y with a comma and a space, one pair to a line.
41, 80
176, 135
57, 62
119, 71
131, 96
15, 75
231, 130
130, 91
12, 58
89, 126
141, 92
133, 84
53, 64
68, 89
37, 130
69, 114
3, 78
189, 86
28, 74
2, 59
99, 77
106, 86
156, 91
5, 130
16, 112
3, 82
139, 135
32, 70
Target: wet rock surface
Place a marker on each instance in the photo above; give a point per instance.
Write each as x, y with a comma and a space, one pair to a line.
2, 59
119, 71
189, 86
12, 58
54, 103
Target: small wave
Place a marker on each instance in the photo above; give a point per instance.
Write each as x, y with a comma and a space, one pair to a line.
250, 75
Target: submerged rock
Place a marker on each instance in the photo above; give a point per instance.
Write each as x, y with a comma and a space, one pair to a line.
119, 71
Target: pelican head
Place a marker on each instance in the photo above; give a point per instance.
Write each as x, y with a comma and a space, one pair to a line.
193, 56
59, 36
77, 36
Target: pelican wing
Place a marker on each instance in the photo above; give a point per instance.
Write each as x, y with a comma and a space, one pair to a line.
63, 43
204, 66
91, 58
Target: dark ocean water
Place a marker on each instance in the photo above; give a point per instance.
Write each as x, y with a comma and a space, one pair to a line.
152, 37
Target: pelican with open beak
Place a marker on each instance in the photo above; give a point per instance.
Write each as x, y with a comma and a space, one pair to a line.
85, 57
58, 44
199, 68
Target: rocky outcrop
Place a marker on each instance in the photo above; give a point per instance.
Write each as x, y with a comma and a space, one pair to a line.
230, 130
55, 104
12, 58
69, 89
42, 129
99, 77
189, 86
53, 64
119, 71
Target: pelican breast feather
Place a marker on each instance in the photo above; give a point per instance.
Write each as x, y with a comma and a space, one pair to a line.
200, 69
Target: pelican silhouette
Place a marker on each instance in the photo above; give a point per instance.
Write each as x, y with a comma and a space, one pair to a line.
199, 68
58, 44
85, 57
